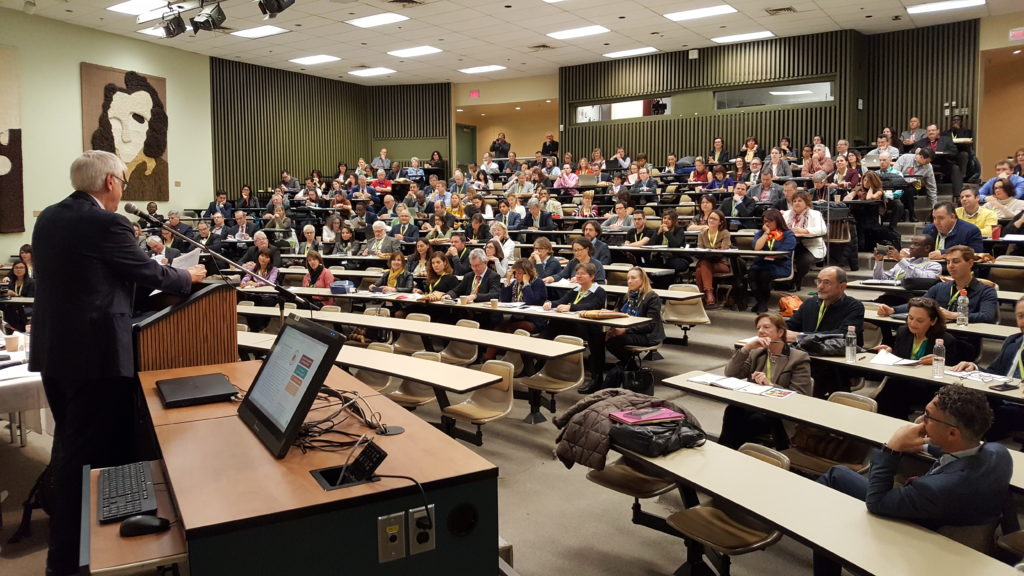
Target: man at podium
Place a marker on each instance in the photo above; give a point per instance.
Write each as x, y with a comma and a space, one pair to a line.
87, 267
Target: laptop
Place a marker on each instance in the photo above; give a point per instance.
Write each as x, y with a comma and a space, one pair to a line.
587, 180
195, 390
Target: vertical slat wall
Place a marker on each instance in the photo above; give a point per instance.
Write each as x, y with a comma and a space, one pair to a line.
410, 111
267, 120
199, 333
778, 60
915, 72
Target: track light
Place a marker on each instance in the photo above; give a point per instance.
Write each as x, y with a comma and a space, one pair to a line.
271, 8
173, 24
211, 17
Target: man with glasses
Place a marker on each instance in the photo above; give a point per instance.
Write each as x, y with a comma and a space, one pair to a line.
911, 262
967, 485
82, 341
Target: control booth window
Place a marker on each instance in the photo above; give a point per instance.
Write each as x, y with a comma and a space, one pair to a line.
775, 95
624, 110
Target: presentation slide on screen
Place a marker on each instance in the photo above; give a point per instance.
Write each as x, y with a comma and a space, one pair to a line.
290, 366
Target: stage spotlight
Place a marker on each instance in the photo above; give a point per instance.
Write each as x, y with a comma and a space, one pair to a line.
271, 8
173, 25
211, 17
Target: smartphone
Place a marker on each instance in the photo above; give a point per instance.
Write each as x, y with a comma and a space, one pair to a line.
1003, 387
881, 249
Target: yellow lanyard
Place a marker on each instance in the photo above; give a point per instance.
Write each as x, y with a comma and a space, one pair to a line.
771, 244
714, 239
580, 296
434, 285
476, 284
940, 242
519, 292
768, 366
953, 295
404, 228
1020, 364
918, 350
821, 314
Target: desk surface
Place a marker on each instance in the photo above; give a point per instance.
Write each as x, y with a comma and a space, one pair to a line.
1005, 296
984, 330
213, 481
808, 511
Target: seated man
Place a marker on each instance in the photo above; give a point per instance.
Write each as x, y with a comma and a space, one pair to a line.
290, 185
361, 220
967, 486
949, 231
511, 219
458, 254
911, 262
242, 229
480, 283
220, 205
882, 144
918, 165
210, 241
160, 252
405, 230
831, 311
537, 219
260, 242
972, 211
1003, 171
592, 232
218, 227
766, 190
364, 192
946, 154
381, 245
174, 221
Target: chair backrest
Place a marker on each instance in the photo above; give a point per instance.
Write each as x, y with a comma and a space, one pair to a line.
497, 396
460, 349
410, 388
421, 317
290, 305
854, 400
336, 269
383, 383
1007, 278
377, 311
381, 347
684, 311
872, 335
981, 537
246, 303
616, 278
1009, 258
375, 269
330, 308
765, 454
242, 327
515, 358
744, 242
567, 368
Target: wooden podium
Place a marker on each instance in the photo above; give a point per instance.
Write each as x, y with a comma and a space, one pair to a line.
194, 331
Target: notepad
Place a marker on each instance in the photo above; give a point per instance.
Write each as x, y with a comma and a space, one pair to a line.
738, 385
886, 358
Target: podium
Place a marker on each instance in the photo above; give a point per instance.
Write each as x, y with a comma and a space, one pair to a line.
194, 331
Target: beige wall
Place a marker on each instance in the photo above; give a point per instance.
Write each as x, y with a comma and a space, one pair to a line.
49, 55
999, 126
995, 31
524, 131
500, 91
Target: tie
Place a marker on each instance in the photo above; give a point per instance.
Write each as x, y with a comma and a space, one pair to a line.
476, 284
1014, 366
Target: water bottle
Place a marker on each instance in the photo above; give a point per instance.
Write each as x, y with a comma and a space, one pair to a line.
28, 338
962, 305
851, 344
939, 360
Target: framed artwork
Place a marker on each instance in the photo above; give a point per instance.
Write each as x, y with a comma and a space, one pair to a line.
12, 192
125, 113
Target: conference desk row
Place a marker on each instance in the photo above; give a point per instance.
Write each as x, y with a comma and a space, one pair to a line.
1004, 296
237, 510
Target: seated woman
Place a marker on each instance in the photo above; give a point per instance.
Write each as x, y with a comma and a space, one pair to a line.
769, 361
672, 235
844, 178
916, 341
440, 277
714, 237
317, 276
642, 301
705, 206
345, 243
719, 180
309, 242
416, 263
330, 231
700, 171
17, 283
479, 206
440, 233
543, 261
499, 232
456, 209
495, 257
263, 266
1002, 200
586, 208
741, 171
395, 278
717, 155
620, 220
520, 285
567, 182
774, 235
809, 227
582, 250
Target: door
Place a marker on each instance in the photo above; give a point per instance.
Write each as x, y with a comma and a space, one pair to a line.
465, 145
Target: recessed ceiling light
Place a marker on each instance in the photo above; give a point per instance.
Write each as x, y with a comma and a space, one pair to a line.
372, 72
155, 31
318, 59
552, 1
942, 6
743, 37
578, 32
518, 108
790, 92
700, 13
259, 32
136, 7
459, 110
482, 114
1016, 51
482, 69
377, 20
548, 101
417, 51
633, 52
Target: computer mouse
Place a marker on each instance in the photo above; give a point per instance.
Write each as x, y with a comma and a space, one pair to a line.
143, 524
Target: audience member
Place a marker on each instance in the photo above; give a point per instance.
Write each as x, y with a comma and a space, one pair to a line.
911, 262
948, 231
714, 237
808, 225
1002, 201
395, 278
640, 300
1003, 172
582, 251
972, 211
545, 263
773, 235
601, 252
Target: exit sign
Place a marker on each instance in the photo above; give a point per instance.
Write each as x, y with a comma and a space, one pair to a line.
1016, 34
474, 93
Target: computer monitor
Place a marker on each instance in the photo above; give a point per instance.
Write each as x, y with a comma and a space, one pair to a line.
288, 382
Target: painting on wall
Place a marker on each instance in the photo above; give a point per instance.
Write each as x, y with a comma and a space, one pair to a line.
125, 113
12, 192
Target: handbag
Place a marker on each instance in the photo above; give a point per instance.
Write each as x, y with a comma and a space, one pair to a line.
640, 381
822, 344
657, 439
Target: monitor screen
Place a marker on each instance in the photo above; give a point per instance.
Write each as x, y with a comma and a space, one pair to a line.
288, 382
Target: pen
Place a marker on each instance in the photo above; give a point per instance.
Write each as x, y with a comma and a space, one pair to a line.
861, 357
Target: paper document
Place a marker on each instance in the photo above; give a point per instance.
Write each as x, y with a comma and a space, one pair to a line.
978, 376
1013, 237
881, 282
886, 358
738, 385
187, 260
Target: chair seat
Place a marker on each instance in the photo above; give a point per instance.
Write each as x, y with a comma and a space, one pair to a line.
641, 349
720, 532
452, 359
546, 383
810, 463
474, 413
1013, 542
623, 478
408, 400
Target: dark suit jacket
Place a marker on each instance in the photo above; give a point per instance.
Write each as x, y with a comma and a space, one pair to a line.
601, 252
956, 351
550, 267
252, 253
460, 263
593, 301
250, 229
535, 293
226, 210
214, 243
489, 289
965, 492
1007, 357
654, 331
745, 208
842, 313
546, 223
512, 220
412, 233
170, 253
963, 233
75, 238
945, 144
402, 284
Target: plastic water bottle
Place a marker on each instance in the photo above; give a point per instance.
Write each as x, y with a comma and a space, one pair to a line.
939, 360
28, 338
851, 344
962, 308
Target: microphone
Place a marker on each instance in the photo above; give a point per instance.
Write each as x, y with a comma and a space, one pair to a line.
134, 210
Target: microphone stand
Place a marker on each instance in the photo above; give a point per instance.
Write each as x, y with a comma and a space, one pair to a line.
282, 293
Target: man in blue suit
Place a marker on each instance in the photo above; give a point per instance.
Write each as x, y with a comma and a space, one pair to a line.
967, 486
537, 219
82, 342
949, 231
512, 220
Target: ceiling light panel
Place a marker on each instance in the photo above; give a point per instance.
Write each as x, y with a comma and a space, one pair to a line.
578, 32
719, 10
482, 69
259, 32
136, 7
372, 72
743, 37
318, 59
943, 6
414, 52
377, 20
633, 52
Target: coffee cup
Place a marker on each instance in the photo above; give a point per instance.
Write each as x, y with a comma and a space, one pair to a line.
13, 342
463, 300
494, 302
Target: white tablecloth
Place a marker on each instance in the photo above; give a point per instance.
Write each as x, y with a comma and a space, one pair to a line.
22, 391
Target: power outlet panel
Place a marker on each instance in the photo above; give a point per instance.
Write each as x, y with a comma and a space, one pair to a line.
391, 537
421, 539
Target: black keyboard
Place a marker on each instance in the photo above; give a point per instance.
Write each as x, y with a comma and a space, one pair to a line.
126, 491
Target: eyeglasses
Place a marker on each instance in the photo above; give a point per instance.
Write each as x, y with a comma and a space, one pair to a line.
821, 282
926, 417
124, 183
